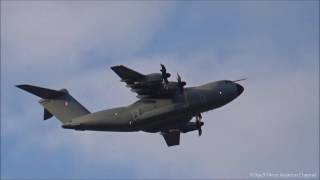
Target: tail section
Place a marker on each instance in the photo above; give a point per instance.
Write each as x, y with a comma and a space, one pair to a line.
57, 103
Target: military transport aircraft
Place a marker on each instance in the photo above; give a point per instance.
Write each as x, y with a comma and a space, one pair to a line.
163, 106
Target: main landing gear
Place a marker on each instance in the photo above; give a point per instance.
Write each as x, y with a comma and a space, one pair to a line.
199, 123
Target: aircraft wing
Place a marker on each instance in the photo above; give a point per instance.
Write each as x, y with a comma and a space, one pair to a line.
146, 86
172, 138
127, 74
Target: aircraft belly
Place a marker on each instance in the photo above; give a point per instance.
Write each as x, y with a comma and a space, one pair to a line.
160, 117
117, 119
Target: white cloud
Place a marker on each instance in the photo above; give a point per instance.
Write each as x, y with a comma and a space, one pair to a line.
44, 34
272, 127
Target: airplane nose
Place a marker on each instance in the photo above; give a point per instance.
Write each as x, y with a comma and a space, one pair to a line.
239, 89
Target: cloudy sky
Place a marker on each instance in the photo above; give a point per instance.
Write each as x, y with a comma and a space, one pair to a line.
273, 127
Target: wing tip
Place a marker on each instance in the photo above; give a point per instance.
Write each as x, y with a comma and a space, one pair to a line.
21, 86
116, 66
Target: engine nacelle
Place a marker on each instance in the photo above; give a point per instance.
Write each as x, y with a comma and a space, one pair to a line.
153, 78
190, 126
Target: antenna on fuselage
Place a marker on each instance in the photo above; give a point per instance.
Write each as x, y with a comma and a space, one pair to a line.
240, 80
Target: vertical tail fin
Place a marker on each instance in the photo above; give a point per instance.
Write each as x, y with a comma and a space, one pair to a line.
57, 103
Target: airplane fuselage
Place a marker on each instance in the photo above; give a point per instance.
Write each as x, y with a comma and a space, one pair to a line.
164, 106
154, 115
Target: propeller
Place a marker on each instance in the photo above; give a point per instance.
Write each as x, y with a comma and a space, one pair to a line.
164, 73
199, 123
240, 80
181, 84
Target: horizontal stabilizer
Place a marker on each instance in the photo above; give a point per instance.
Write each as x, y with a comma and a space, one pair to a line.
41, 92
57, 103
46, 114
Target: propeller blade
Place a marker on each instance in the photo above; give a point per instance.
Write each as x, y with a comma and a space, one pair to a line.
164, 73
240, 80
181, 84
163, 68
178, 78
199, 131
199, 124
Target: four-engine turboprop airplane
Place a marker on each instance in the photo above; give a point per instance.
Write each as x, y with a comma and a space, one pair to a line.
163, 106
